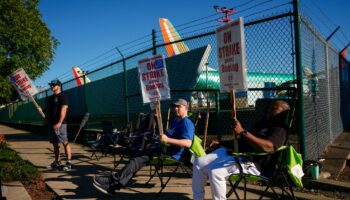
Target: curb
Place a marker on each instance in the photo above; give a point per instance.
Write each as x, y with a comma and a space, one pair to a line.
327, 184
53, 191
14, 190
297, 194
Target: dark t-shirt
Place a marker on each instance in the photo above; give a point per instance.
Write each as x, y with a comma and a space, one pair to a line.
274, 131
266, 130
54, 108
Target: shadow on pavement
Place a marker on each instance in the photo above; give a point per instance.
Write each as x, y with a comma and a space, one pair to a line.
81, 179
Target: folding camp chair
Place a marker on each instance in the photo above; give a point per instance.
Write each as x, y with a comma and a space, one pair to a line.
281, 170
132, 143
102, 141
281, 176
160, 161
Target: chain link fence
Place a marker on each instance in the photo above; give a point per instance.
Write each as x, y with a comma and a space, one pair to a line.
321, 91
271, 71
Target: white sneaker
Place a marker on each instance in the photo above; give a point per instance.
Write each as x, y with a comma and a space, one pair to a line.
68, 166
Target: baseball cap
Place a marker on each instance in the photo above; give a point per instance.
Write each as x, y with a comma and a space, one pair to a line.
182, 102
55, 82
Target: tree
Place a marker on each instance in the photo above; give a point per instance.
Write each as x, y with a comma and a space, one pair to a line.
25, 41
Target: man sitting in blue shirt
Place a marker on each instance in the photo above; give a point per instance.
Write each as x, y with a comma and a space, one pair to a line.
179, 136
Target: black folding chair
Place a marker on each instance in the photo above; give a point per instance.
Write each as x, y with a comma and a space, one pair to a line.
103, 140
132, 143
161, 161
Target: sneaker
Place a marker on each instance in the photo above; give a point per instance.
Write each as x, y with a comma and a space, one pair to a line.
106, 184
101, 180
54, 165
68, 166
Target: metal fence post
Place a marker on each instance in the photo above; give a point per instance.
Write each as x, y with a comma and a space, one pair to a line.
125, 88
84, 90
300, 92
154, 52
330, 133
217, 110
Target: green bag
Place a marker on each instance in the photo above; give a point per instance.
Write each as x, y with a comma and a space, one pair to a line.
295, 166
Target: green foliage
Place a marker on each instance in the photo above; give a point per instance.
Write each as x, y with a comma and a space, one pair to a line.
7, 155
12, 167
25, 41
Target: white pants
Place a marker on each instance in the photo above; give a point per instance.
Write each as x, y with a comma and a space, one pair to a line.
218, 165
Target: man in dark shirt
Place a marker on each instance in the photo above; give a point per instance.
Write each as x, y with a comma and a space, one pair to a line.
56, 116
265, 136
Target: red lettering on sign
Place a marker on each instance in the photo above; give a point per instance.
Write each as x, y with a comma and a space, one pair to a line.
26, 87
154, 86
229, 50
227, 37
229, 68
17, 76
22, 80
152, 75
151, 65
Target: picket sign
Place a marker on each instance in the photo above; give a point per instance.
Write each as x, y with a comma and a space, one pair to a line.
25, 87
154, 84
231, 62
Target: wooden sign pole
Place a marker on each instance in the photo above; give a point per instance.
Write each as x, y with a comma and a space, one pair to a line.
206, 119
206, 129
159, 117
37, 107
234, 118
167, 119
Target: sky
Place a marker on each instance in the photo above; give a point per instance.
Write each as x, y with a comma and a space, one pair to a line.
86, 29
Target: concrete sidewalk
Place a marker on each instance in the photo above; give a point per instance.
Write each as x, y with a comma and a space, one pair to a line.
14, 190
77, 184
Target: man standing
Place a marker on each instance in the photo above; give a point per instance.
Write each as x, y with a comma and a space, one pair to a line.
179, 136
57, 110
265, 136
